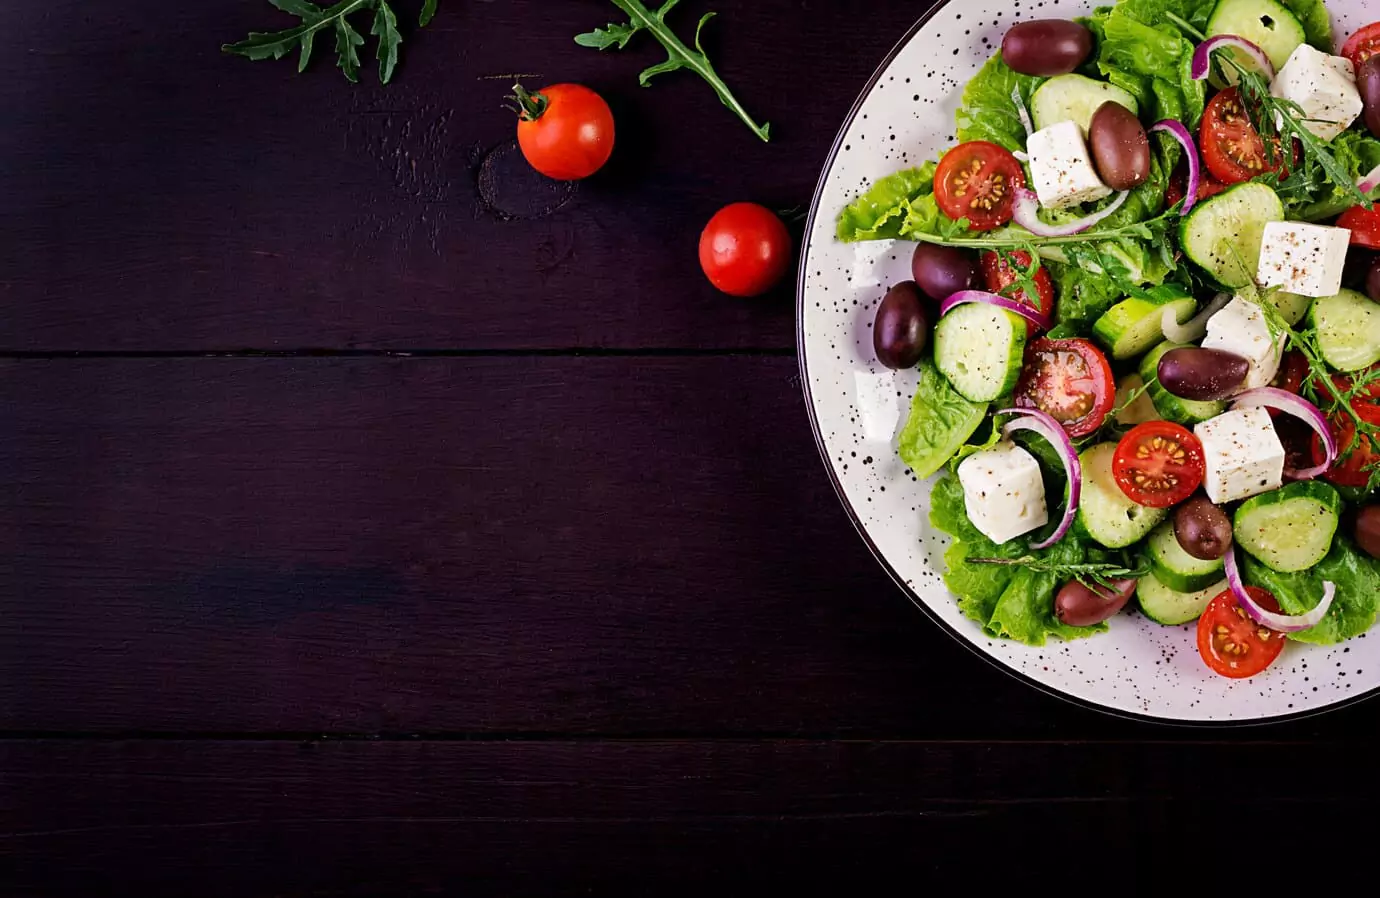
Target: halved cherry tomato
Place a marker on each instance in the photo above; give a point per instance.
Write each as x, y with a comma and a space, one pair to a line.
977, 181
1000, 277
1362, 45
1069, 380
1158, 464
1232, 149
1351, 469
1292, 370
1177, 188
1364, 225
1233, 644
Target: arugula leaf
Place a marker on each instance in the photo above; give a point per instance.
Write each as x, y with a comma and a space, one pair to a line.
988, 112
315, 19
940, 422
428, 13
679, 56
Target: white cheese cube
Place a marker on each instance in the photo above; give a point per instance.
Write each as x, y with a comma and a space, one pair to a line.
1003, 492
1241, 329
1243, 454
1062, 168
1324, 87
1306, 259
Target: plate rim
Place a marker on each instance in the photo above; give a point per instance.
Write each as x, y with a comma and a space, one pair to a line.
953, 633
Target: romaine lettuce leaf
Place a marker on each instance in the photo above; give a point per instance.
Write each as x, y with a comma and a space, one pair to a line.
880, 213
1316, 22
1142, 51
940, 422
1353, 611
988, 112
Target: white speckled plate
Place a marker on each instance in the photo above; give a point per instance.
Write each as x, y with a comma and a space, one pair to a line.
905, 116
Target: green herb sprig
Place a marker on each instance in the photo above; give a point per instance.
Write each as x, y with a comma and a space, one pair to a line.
1093, 574
679, 56
348, 40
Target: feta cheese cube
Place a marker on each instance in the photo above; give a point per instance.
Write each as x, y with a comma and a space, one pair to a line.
1003, 492
1243, 455
1062, 168
1241, 329
1303, 258
1324, 87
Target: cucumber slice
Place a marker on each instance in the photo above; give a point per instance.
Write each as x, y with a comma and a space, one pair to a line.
1291, 306
1290, 529
1138, 411
1223, 234
979, 349
1348, 327
1074, 98
1170, 607
1265, 23
1133, 326
1105, 515
1171, 407
1176, 568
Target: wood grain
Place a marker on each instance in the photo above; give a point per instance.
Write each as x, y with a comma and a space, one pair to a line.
157, 195
368, 818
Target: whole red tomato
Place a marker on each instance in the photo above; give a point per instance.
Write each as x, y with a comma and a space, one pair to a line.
745, 250
565, 130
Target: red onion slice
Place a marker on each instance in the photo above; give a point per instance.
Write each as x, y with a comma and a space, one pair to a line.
1371, 181
1041, 423
1202, 57
1280, 623
1284, 401
1177, 131
1022, 111
1195, 328
1028, 204
1015, 306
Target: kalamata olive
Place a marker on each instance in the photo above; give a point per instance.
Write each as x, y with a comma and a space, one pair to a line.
942, 271
1120, 146
1373, 281
1202, 375
1046, 47
1202, 529
1080, 606
1368, 83
1368, 530
902, 329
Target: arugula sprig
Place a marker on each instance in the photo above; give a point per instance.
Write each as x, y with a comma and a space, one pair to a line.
348, 40
1015, 238
1093, 574
679, 56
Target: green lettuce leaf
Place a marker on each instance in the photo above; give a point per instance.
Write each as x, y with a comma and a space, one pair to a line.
1316, 22
1081, 296
988, 112
1143, 52
940, 422
1353, 611
881, 212
1009, 602
1312, 197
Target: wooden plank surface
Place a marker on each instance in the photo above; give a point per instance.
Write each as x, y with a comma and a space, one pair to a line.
157, 195
555, 818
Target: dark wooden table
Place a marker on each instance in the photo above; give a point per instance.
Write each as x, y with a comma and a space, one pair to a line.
377, 518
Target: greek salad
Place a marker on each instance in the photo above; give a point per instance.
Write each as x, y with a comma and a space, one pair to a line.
1145, 316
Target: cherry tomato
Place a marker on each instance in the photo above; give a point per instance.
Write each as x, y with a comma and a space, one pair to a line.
1364, 225
1069, 380
1000, 277
1362, 45
1292, 371
1231, 146
1158, 464
745, 250
1351, 469
1177, 188
1233, 644
565, 130
978, 181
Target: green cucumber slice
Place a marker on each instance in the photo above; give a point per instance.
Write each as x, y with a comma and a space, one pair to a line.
1223, 234
1170, 607
1348, 326
1105, 514
1291, 528
979, 348
1171, 407
1133, 326
1269, 25
1292, 307
1176, 568
1074, 98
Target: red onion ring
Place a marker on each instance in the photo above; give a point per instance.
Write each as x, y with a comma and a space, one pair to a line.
1280, 623
1202, 57
1015, 306
1028, 204
1371, 181
1284, 401
1177, 131
1195, 328
1041, 423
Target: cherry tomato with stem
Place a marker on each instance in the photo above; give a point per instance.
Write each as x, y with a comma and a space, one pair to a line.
565, 131
745, 250
977, 181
